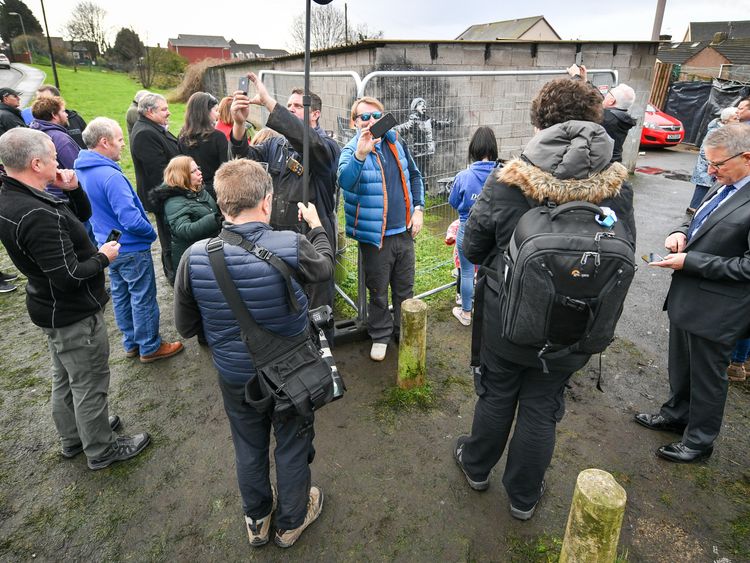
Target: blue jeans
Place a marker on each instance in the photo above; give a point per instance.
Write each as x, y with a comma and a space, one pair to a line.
698, 194
467, 271
251, 436
133, 282
741, 351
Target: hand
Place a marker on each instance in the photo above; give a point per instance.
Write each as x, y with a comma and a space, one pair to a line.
674, 261
262, 97
417, 220
66, 180
676, 242
365, 144
110, 250
309, 214
240, 108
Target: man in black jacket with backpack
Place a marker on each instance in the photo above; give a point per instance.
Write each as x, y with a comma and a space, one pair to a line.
568, 160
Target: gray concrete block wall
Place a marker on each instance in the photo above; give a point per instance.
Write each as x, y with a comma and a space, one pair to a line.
504, 103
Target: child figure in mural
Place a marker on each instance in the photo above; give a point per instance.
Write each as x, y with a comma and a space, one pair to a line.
418, 129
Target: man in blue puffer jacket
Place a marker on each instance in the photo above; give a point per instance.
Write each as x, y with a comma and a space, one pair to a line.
244, 193
384, 206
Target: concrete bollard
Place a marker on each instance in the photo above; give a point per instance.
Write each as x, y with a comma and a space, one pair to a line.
412, 350
595, 519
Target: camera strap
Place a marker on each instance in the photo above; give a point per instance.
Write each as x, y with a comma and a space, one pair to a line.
266, 255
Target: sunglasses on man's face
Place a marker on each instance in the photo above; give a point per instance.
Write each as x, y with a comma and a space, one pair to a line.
368, 115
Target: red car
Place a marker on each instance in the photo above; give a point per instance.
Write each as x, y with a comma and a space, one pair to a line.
660, 129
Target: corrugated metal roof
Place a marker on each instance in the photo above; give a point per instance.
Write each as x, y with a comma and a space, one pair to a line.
508, 29
704, 31
199, 41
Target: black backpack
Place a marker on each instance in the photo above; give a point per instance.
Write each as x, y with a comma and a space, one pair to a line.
564, 277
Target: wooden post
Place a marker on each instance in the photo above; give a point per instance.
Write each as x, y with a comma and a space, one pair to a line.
595, 519
412, 350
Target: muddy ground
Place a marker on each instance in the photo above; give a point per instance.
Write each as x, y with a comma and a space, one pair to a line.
392, 489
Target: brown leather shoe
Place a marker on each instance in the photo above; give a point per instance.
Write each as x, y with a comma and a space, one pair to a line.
166, 350
736, 372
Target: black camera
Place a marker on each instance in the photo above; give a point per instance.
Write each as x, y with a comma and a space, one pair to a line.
322, 319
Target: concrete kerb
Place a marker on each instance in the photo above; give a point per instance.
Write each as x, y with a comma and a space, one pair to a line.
31, 79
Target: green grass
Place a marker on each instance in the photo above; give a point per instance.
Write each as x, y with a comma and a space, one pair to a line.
95, 92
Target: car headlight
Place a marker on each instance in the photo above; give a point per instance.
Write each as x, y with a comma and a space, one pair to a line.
649, 125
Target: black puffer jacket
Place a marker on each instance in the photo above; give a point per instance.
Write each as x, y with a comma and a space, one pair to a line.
617, 123
10, 118
570, 163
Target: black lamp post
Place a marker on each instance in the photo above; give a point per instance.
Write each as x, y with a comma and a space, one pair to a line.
49, 44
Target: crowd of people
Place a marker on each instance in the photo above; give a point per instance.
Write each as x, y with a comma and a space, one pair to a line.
68, 213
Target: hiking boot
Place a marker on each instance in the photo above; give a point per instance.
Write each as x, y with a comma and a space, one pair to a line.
736, 372
378, 350
463, 317
124, 448
6, 287
458, 451
527, 514
166, 350
75, 449
8, 277
259, 530
286, 538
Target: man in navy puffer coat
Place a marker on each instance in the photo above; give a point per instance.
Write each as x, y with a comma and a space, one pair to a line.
244, 193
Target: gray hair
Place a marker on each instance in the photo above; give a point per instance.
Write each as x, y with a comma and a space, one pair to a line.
727, 114
149, 102
19, 146
624, 96
139, 94
241, 184
733, 138
98, 128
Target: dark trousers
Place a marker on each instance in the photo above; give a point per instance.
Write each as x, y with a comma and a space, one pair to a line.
251, 435
698, 385
392, 265
165, 241
538, 397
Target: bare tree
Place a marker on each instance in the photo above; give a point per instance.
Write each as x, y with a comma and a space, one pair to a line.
86, 25
327, 29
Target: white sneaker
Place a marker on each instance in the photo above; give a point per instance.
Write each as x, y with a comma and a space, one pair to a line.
458, 312
377, 352
459, 301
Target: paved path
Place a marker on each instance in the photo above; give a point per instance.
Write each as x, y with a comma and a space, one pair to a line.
25, 79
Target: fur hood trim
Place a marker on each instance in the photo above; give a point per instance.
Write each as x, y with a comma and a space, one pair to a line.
539, 185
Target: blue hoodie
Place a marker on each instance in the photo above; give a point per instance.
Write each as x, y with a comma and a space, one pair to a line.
114, 202
467, 185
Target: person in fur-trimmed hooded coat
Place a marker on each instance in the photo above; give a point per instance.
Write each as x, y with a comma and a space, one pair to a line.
567, 160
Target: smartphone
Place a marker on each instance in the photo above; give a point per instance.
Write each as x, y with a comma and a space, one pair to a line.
244, 85
114, 236
383, 126
579, 58
652, 257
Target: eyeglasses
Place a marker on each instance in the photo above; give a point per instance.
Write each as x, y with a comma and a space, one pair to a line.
721, 163
368, 115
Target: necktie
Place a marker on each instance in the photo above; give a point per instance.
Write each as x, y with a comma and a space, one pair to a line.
709, 208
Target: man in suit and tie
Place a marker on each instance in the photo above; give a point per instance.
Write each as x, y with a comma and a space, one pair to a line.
152, 146
708, 300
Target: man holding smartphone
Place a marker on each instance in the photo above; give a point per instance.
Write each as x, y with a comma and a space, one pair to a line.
283, 156
46, 240
384, 206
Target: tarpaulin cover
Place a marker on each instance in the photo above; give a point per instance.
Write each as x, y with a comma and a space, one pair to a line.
697, 103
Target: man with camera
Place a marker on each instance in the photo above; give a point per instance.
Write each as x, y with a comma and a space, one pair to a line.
284, 158
384, 204
244, 193
47, 241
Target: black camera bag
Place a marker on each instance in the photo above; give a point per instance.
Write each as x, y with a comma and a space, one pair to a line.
292, 378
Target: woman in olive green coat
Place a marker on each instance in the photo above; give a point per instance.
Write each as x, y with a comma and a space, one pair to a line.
189, 210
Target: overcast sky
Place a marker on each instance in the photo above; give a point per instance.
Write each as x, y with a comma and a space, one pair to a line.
267, 22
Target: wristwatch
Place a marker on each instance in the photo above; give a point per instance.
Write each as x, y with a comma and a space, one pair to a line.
419, 208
